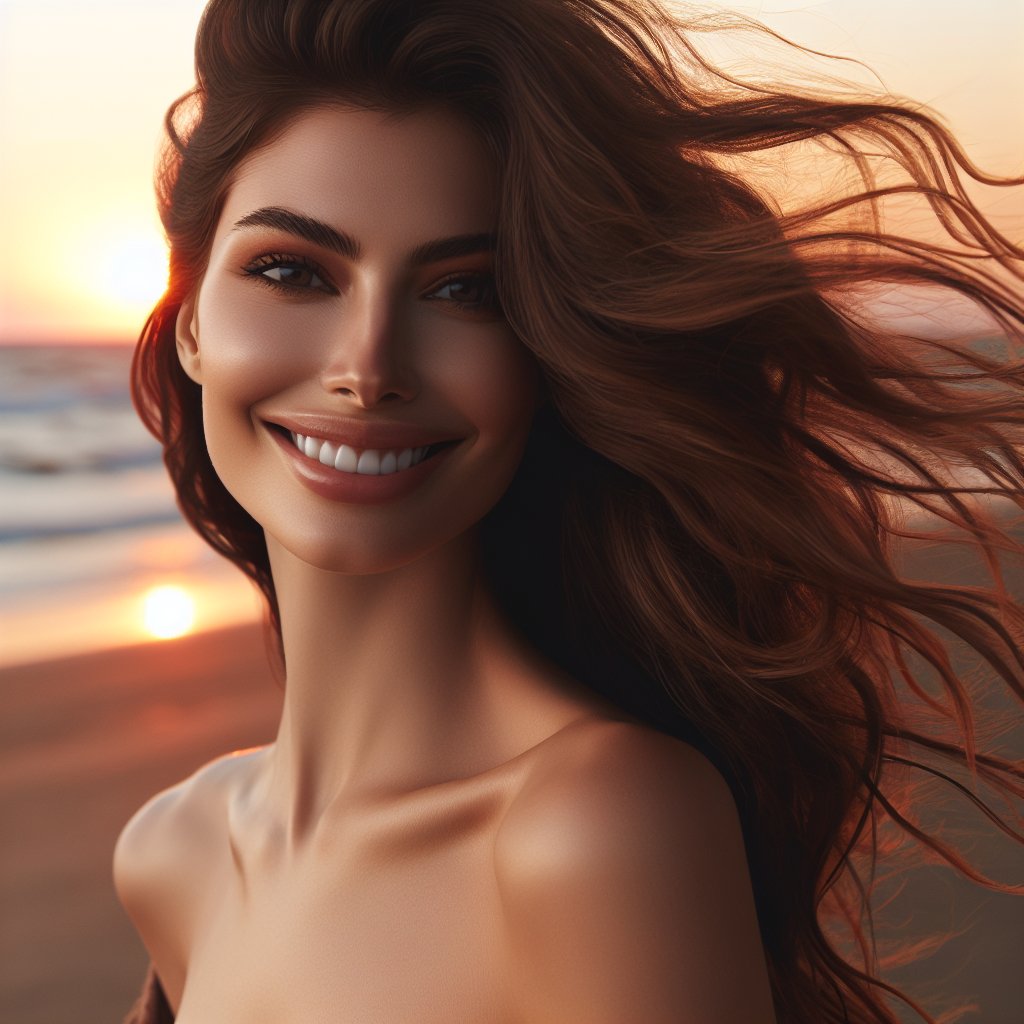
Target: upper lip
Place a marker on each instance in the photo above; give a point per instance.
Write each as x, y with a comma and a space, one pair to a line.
362, 434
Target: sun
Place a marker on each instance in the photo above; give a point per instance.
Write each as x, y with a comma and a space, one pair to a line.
168, 611
114, 271
133, 270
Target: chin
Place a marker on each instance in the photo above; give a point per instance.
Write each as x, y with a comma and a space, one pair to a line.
364, 555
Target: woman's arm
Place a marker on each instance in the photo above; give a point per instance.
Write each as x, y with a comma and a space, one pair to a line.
159, 860
627, 893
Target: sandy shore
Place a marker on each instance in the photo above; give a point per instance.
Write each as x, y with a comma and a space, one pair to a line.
86, 741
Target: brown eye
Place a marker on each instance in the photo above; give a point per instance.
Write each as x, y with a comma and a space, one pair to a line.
297, 277
288, 273
469, 291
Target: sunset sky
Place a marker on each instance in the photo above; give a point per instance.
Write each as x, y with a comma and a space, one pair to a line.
83, 89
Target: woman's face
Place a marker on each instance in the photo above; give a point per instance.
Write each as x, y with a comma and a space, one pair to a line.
349, 301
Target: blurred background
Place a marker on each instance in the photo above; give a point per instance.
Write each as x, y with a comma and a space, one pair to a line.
130, 654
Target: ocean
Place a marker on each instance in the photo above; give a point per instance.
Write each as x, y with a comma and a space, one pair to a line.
88, 520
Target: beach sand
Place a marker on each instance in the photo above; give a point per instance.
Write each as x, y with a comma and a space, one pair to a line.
85, 741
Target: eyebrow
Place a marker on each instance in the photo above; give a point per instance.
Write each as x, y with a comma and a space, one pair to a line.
323, 235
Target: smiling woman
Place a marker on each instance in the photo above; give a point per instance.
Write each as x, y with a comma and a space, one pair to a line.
350, 298
548, 438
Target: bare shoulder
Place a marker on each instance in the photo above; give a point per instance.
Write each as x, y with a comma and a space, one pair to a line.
625, 886
602, 778
161, 855
173, 824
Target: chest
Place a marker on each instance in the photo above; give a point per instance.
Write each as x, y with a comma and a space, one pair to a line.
386, 936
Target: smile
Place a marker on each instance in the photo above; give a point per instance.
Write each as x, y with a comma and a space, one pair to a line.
365, 462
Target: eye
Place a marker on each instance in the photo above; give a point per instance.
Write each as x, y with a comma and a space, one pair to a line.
288, 273
470, 292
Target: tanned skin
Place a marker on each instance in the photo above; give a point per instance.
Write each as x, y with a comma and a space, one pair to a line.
446, 827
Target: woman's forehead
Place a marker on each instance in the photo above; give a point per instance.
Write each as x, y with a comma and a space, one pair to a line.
372, 172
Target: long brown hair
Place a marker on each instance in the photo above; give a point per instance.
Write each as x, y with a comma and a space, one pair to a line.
703, 526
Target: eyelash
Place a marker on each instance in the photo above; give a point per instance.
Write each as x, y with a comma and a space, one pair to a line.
490, 305
276, 261
256, 270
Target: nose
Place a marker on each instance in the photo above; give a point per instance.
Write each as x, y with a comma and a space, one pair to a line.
367, 361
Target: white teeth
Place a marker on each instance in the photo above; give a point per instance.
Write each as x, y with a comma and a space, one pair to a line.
371, 462
346, 459
327, 453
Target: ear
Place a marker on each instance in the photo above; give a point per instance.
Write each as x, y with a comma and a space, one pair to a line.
186, 338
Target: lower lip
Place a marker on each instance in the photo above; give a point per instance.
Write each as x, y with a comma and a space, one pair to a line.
359, 488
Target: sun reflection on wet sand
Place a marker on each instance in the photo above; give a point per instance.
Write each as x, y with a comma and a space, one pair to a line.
168, 611
81, 619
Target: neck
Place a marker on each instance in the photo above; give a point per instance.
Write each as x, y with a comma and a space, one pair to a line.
397, 681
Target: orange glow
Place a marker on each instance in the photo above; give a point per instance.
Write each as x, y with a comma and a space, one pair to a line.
168, 611
112, 270
80, 117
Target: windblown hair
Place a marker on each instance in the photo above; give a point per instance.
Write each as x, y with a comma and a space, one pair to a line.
704, 524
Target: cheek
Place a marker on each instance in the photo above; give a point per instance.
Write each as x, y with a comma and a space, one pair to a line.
499, 387
240, 365
241, 346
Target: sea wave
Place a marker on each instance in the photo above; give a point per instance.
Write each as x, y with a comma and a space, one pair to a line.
74, 457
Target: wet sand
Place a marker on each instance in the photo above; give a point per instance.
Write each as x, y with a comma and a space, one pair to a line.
86, 741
